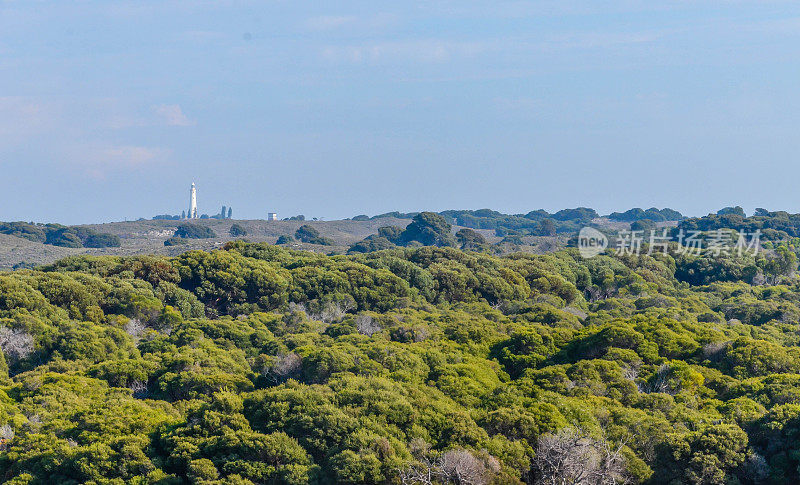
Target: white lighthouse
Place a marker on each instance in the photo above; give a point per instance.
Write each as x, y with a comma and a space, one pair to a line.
193, 203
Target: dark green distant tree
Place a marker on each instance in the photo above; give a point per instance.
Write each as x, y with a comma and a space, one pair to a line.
237, 230
223, 213
311, 235
64, 237
644, 225
469, 239
194, 231
370, 244
230, 212
306, 233
183, 215
102, 240
738, 211
782, 263
547, 227
175, 241
583, 214
391, 233
429, 229
285, 239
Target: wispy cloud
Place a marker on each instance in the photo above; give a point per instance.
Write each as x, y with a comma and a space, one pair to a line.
428, 51
21, 116
98, 159
172, 115
201, 36
328, 22
130, 156
362, 23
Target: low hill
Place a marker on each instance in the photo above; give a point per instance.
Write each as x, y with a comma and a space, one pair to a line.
148, 237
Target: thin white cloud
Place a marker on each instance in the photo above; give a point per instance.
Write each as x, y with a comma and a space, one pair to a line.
201, 36
20, 116
366, 23
329, 22
99, 161
172, 115
130, 156
427, 51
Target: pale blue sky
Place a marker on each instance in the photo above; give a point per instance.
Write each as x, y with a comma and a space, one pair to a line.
109, 110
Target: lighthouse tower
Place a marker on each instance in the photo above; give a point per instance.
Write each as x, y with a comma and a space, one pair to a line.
193, 203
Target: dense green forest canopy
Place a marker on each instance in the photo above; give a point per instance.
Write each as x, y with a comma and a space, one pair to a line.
257, 364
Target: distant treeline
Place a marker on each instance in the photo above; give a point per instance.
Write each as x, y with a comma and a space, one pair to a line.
537, 222
774, 226
58, 235
653, 214
426, 229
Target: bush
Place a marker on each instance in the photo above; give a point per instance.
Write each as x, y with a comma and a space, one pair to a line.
429, 229
469, 239
194, 231
371, 244
102, 241
311, 235
175, 241
237, 230
285, 239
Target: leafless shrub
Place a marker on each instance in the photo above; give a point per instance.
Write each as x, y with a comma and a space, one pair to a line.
417, 473
297, 307
572, 457
348, 303
462, 467
366, 325
6, 435
714, 348
139, 389
15, 343
332, 312
34, 421
577, 312
630, 373
286, 365
135, 328
661, 382
457, 466
756, 468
